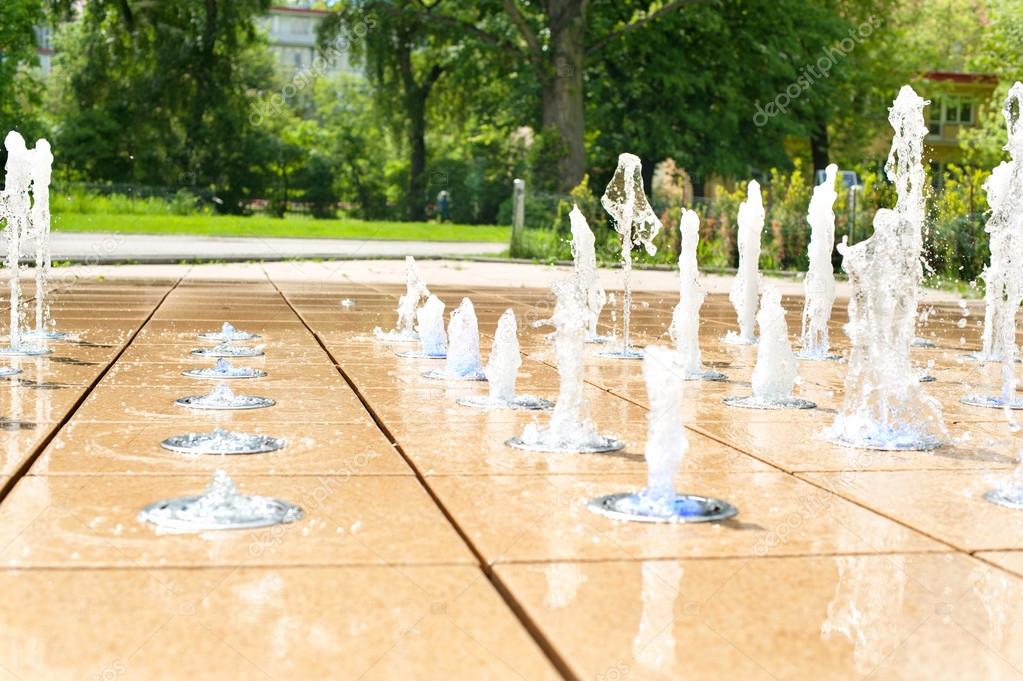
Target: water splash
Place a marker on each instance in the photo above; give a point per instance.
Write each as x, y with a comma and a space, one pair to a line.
502, 371
229, 349
666, 444
819, 284
220, 507
433, 340
1010, 492
584, 256
775, 372
42, 171
885, 406
1004, 274
227, 333
635, 221
685, 320
569, 429
463, 354
222, 397
15, 209
746, 286
415, 292
220, 441
224, 370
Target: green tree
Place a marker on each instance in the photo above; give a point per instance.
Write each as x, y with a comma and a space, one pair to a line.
162, 93
20, 91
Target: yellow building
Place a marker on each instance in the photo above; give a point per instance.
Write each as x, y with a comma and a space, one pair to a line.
956, 102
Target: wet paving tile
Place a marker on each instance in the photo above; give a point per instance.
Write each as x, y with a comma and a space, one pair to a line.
375, 624
87, 448
92, 521
895, 616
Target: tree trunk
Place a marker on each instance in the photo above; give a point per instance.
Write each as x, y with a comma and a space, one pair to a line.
819, 146
416, 206
563, 87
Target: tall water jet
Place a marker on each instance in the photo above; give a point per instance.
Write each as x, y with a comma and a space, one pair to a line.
502, 371
685, 320
819, 284
569, 429
220, 507
746, 286
463, 361
433, 340
635, 221
774, 374
1004, 274
584, 258
415, 292
16, 209
42, 171
665, 446
885, 406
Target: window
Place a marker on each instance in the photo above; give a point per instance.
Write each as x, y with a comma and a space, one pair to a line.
952, 110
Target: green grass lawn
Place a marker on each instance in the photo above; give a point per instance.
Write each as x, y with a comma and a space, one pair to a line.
264, 226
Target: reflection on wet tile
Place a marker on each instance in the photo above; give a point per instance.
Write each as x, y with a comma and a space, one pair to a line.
91, 521
917, 616
947, 505
301, 623
87, 448
520, 518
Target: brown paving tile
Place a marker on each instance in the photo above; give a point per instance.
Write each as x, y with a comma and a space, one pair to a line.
62, 521
19, 440
1007, 560
137, 374
947, 505
802, 447
87, 448
304, 623
923, 616
520, 518
181, 352
481, 450
335, 404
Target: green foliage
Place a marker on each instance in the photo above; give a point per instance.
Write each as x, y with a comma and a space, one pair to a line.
20, 90
83, 201
161, 94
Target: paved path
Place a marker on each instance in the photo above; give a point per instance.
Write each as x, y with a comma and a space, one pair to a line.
105, 248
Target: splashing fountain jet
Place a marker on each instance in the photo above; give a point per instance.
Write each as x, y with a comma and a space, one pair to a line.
665, 446
634, 220
1010, 493
228, 333
16, 212
463, 361
746, 286
569, 430
819, 284
42, 171
584, 258
222, 442
501, 371
1004, 274
229, 349
220, 507
685, 320
775, 370
223, 370
222, 397
415, 292
433, 340
885, 406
